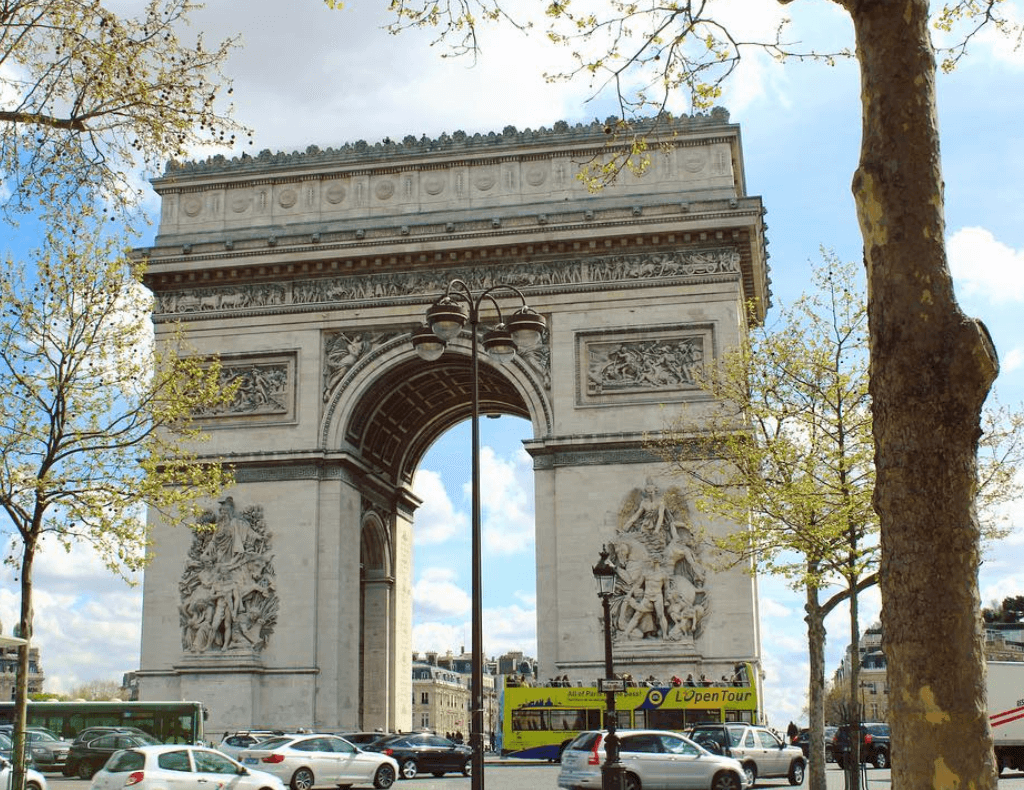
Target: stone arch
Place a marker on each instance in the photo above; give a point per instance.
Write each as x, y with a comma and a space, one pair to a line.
309, 305
392, 408
377, 613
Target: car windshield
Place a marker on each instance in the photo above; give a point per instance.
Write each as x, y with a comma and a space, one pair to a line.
123, 762
5, 742
274, 743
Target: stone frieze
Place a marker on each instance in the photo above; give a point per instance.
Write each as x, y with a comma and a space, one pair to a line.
651, 267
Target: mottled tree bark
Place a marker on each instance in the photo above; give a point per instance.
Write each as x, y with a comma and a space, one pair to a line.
931, 369
815, 619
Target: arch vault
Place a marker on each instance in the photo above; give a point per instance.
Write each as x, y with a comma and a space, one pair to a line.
306, 274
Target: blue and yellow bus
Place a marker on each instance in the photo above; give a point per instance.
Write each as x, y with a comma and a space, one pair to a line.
538, 721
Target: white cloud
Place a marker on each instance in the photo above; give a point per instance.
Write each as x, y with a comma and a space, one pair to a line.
510, 628
86, 621
507, 502
437, 595
440, 637
1012, 360
983, 266
773, 608
436, 520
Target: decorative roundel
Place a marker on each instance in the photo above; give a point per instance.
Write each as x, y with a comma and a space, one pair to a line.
241, 202
536, 176
335, 193
433, 185
384, 190
655, 697
695, 160
192, 205
485, 180
288, 198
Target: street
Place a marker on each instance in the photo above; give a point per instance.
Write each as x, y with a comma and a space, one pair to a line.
544, 776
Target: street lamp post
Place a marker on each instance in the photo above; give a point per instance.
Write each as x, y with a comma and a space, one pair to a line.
611, 771
446, 318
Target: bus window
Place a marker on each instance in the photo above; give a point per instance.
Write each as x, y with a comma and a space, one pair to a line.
664, 719
568, 719
701, 715
528, 720
740, 715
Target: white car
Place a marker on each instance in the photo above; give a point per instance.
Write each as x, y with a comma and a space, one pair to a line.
234, 743
181, 767
651, 760
311, 760
33, 779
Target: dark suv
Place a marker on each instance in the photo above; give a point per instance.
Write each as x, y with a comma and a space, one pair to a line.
874, 744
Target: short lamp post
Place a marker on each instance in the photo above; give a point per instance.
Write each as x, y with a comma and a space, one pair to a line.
611, 771
446, 319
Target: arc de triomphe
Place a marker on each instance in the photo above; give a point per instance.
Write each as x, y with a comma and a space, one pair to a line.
307, 272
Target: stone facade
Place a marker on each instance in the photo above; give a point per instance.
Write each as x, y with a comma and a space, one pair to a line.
306, 273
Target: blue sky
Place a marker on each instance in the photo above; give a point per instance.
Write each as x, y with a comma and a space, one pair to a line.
311, 76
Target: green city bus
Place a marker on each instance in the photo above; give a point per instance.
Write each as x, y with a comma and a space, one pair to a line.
168, 722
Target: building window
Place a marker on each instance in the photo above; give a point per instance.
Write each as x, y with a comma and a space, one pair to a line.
424, 698
425, 720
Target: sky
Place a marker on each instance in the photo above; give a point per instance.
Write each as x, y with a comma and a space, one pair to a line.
306, 75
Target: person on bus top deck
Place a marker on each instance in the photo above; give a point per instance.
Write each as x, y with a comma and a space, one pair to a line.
676, 681
690, 681
704, 680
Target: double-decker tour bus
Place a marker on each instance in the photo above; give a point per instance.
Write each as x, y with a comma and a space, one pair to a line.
168, 722
539, 721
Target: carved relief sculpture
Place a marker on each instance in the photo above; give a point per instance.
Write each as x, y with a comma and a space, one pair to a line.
342, 351
644, 365
262, 389
660, 592
228, 596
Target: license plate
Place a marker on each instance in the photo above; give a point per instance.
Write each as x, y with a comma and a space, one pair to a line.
251, 761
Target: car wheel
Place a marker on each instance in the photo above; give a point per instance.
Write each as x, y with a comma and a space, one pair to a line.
630, 782
86, 770
408, 768
302, 779
751, 773
384, 778
796, 772
881, 759
467, 768
724, 780
32, 786
829, 757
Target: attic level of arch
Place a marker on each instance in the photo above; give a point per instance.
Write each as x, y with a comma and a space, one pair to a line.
348, 240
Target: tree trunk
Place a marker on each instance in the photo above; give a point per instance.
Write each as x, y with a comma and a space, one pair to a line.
21, 686
815, 620
931, 369
852, 764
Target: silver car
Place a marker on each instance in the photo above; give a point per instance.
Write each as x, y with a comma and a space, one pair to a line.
651, 760
761, 752
311, 760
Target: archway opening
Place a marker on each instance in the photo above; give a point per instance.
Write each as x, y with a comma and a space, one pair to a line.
412, 431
